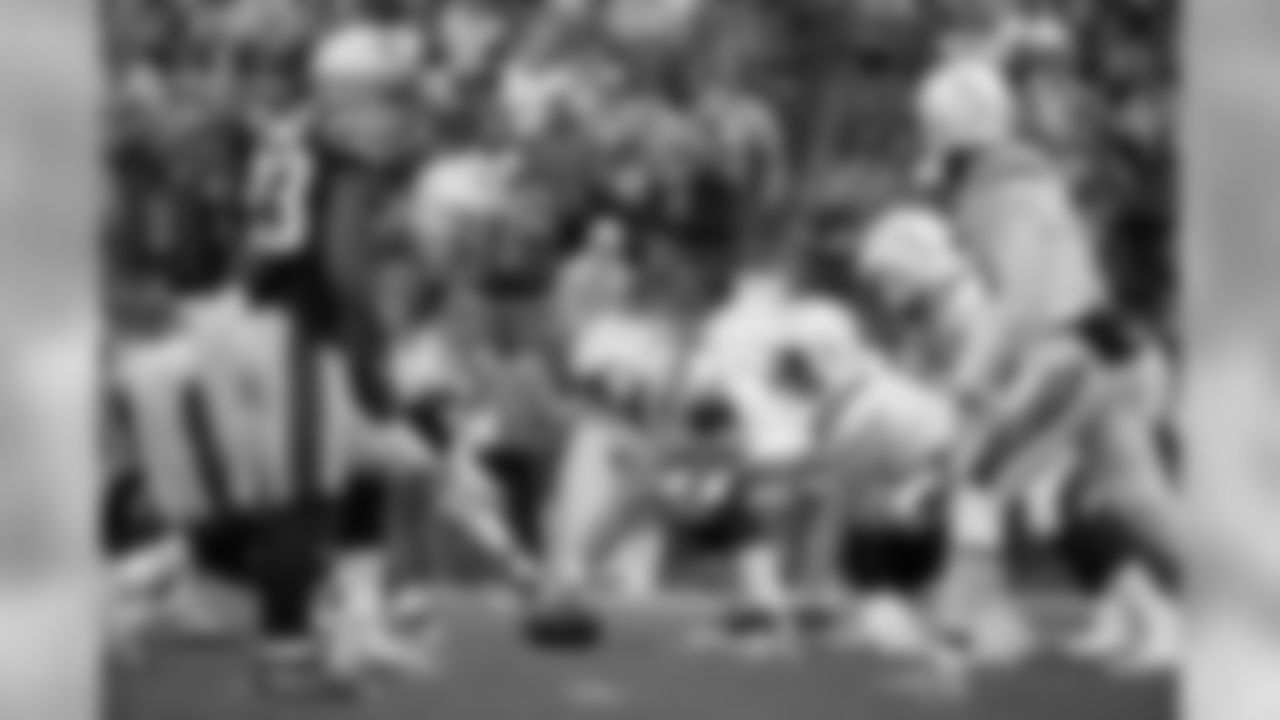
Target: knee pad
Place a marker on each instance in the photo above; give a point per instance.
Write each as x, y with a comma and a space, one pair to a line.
891, 556
1094, 546
362, 512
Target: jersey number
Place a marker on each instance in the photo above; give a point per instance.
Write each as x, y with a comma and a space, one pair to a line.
280, 186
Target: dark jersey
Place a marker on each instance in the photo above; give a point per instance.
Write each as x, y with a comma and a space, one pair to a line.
175, 215
345, 237
206, 173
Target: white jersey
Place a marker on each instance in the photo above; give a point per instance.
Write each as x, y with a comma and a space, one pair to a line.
894, 426
627, 349
1026, 234
740, 360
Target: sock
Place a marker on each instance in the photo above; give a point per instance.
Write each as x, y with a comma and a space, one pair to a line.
760, 572
359, 581
976, 522
637, 567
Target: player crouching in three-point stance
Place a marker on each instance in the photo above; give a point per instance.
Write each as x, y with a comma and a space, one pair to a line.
1082, 398
757, 386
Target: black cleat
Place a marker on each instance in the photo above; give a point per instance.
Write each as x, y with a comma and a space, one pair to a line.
564, 626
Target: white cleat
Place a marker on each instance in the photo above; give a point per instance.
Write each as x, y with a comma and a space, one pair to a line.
1156, 646
196, 608
1103, 637
891, 627
356, 643
1000, 636
357, 651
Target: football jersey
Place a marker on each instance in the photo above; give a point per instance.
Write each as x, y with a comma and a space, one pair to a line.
739, 341
632, 346
778, 361
1025, 232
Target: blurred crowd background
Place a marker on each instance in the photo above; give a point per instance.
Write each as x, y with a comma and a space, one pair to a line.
737, 122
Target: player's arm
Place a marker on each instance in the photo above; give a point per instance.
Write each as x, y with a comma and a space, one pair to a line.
982, 351
1039, 415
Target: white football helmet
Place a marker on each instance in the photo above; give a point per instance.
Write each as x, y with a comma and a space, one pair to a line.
359, 56
967, 103
532, 96
455, 191
909, 253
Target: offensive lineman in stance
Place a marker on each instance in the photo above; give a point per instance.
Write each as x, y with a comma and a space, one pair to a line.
946, 325
765, 365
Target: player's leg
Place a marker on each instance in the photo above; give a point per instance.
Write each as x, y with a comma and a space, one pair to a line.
974, 601
824, 592
370, 464
591, 486
154, 379
143, 558
155, 575
1038, 418
636, 569
473, 498
1139, 498
461, 494
362, 629
288, 575
755, 524
1095, 554
889, 440
892, 560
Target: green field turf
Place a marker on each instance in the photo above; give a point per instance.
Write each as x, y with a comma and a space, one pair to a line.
645, 671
